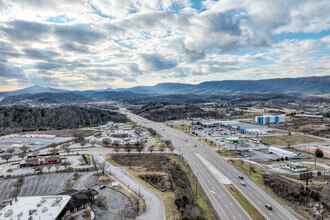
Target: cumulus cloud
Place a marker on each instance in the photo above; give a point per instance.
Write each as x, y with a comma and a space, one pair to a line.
90, 44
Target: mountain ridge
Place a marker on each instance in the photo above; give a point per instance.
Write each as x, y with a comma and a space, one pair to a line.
303, 85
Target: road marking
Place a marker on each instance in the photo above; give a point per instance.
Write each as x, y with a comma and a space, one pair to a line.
217, 174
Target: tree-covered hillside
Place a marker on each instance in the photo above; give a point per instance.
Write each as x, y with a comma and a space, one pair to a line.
20, 118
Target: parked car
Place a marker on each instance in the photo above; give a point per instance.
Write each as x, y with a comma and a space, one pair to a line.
268, 206
241, 177
102, 186
37, 169
243, 183
8, 175
1, 177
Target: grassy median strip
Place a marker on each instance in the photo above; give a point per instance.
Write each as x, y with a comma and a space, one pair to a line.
253, 212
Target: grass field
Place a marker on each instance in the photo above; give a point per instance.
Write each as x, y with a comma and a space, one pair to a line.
312, 166
253, 212
227, 153
128, 124
90, 128
209, 143
87, 159
284, 140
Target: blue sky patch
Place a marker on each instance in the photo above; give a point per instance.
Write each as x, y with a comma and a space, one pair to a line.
60, 19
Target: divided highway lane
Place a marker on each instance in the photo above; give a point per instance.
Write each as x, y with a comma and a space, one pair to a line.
225, 205
218, 196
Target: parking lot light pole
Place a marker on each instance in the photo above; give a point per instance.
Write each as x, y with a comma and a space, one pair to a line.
250, 165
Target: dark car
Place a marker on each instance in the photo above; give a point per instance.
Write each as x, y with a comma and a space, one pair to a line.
8, 175
268, 206
241, 177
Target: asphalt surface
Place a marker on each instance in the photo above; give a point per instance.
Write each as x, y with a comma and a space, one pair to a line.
45, 184
224, 204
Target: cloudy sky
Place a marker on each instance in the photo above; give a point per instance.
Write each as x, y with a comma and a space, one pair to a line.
97, 44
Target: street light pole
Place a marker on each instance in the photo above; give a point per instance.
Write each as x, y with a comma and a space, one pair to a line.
250, 165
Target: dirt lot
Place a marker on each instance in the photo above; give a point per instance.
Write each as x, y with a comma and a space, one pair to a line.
62, 133
318, 128
173, 179
285, 140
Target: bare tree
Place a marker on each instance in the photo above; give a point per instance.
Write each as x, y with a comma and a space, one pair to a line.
128, 148
151, 149
106, 141
162, 148
6, 157
53, 145
67, 149
102, 165
22, 154
171, 148
10, 150
139, 147
94, 163
49, 166
53, 151
24, 148
57, 166
116, 143
92, 142
168, 142
83, 143
66, 164
78, 136
117, 149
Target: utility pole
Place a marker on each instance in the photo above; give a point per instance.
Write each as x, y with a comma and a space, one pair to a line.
179, 153
196, 183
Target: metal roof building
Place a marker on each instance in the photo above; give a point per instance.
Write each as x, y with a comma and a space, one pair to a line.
283, 153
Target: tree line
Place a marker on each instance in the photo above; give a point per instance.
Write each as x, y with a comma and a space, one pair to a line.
20, 118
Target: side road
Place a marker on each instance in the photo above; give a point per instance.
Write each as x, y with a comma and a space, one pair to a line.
155, 208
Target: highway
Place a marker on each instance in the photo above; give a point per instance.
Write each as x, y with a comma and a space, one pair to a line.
224, 204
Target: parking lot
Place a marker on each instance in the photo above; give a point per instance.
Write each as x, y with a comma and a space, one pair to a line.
45, 184
119, 205
32, 143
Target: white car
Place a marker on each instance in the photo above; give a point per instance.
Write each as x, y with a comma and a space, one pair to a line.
243, 183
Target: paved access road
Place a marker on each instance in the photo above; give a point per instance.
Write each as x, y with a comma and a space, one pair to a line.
225, 205
155, 208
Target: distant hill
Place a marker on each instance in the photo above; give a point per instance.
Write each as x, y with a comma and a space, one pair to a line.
32, 90
303, 85
77, 97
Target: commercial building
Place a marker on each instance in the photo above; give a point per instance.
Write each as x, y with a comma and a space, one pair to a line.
295, 166
269, 119
283, 153
53, 207
41, 159
231, 139
325, 149
35, 207
306, 116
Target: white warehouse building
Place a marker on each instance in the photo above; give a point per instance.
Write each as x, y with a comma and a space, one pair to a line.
269, 119
283, 153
